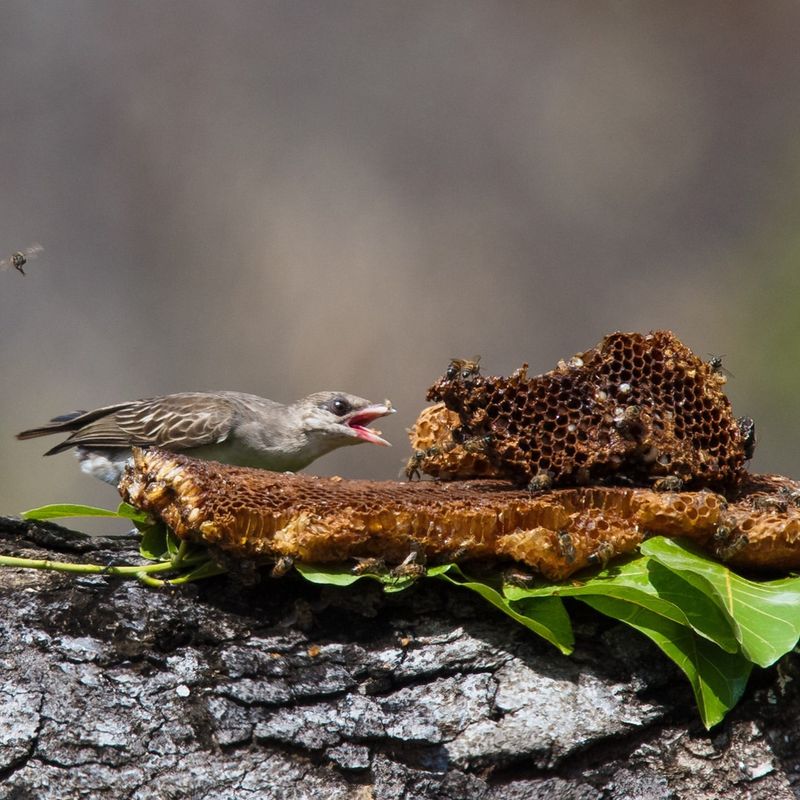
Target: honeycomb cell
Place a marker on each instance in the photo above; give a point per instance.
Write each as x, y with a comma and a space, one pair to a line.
684, 415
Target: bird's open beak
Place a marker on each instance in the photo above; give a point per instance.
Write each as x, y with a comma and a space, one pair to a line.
361, 418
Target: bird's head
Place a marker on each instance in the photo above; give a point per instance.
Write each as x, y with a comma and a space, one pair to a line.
337, 418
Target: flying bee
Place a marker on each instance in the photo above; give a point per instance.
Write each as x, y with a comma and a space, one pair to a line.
467, 369
19, 259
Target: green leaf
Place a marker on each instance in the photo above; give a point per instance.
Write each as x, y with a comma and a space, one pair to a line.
764, 616
645, 583
158, 543
718, 679
173, 544
543, 615
127, 511
392, 584
336, 575
59, 510
207, 569
342, 575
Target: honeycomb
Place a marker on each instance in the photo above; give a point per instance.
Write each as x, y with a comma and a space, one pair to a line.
434, 447
254, 514
634, 409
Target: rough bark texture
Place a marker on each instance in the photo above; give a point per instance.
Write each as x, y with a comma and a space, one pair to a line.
109, 689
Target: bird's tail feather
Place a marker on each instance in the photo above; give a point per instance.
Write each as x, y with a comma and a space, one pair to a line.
67, 423
60, 424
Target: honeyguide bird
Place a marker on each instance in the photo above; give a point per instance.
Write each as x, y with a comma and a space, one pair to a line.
231, 427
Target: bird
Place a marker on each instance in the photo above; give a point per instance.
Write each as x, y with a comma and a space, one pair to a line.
230, 427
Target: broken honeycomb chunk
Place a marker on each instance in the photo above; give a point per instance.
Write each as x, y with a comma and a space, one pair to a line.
255, 514
636, 408
432, 443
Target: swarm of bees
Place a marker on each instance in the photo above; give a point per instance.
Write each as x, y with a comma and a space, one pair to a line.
19, 259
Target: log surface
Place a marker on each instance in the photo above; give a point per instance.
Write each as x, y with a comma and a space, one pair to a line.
284, 689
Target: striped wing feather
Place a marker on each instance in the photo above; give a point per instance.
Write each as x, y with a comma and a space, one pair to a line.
177, 421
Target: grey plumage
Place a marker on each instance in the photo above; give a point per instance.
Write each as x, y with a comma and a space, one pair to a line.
231, 427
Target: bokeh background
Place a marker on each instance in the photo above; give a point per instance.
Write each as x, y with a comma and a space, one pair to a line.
281, 197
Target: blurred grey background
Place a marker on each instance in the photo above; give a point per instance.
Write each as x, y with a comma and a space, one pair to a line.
281, 197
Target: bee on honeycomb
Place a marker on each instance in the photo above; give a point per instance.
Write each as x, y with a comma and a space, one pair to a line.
638, 408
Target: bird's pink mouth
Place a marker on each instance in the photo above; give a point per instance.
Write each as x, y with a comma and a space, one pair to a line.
359, 421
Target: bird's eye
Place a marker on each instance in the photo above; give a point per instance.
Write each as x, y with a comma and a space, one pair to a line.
340, 406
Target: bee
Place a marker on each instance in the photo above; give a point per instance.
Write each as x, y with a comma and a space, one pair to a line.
413, 467
414, 463
540, 482
792, 495
19, 259
566, 547
669, 483
627, 421
370, 566
467, 369
778, 504
748, 430
602, 555
521, 578
282, 566
458, 554
413, 566
478, 444
521, 373
727, 541
715, 365
408, 570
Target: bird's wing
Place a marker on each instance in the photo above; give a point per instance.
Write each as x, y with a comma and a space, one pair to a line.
177, 421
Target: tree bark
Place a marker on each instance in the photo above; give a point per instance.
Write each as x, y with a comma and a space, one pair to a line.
283, 689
